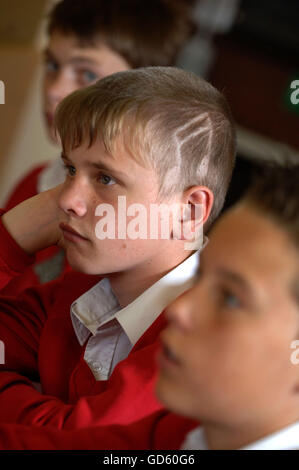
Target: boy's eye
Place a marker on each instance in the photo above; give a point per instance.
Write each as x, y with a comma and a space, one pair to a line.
70, 169
106, 180
51, 66
230, 299
87, 77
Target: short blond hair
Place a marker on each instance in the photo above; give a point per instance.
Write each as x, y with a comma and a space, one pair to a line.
167, 118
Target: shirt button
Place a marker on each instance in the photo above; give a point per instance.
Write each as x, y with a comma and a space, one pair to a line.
97, 366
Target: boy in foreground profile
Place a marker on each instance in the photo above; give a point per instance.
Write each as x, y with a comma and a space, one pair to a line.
230, 353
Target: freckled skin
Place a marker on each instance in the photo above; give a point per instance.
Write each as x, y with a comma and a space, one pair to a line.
132, 265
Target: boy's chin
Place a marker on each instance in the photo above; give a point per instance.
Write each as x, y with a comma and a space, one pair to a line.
173, 399
83, 266
163, 392
86, 266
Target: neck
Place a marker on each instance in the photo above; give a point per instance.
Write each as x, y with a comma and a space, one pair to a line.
129, 284
222, 437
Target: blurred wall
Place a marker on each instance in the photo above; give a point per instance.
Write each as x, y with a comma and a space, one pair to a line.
22, 136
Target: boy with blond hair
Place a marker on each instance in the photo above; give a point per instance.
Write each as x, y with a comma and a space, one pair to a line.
152, 135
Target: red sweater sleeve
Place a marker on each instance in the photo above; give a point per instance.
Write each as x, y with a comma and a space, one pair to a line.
13, 260
128, 395
21, 317
36, 273
26, 188
20, 437
160, 431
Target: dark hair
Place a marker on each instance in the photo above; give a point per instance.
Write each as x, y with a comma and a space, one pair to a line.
143, 32
275, 193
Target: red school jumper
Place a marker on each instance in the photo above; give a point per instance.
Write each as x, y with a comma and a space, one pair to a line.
155, 432
41, 345
26, 188
75, 411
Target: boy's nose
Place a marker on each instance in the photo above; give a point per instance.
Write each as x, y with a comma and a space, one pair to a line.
179, 311
73, 200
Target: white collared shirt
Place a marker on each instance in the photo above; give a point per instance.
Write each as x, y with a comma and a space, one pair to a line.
284, 439
114, 330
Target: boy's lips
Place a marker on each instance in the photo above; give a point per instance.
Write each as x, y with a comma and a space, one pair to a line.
70, 233
167, 358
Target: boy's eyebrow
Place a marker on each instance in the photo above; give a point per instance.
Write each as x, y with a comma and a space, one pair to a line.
235, 278
99, 165
103, 166
74, 60
82, 60
48, 53
227, 274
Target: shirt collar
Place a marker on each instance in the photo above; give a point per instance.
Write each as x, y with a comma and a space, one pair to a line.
284, 439
137, 317
93, 309
99, 305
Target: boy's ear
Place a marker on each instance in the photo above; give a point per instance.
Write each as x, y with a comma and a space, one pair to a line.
203, 197
195, 210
